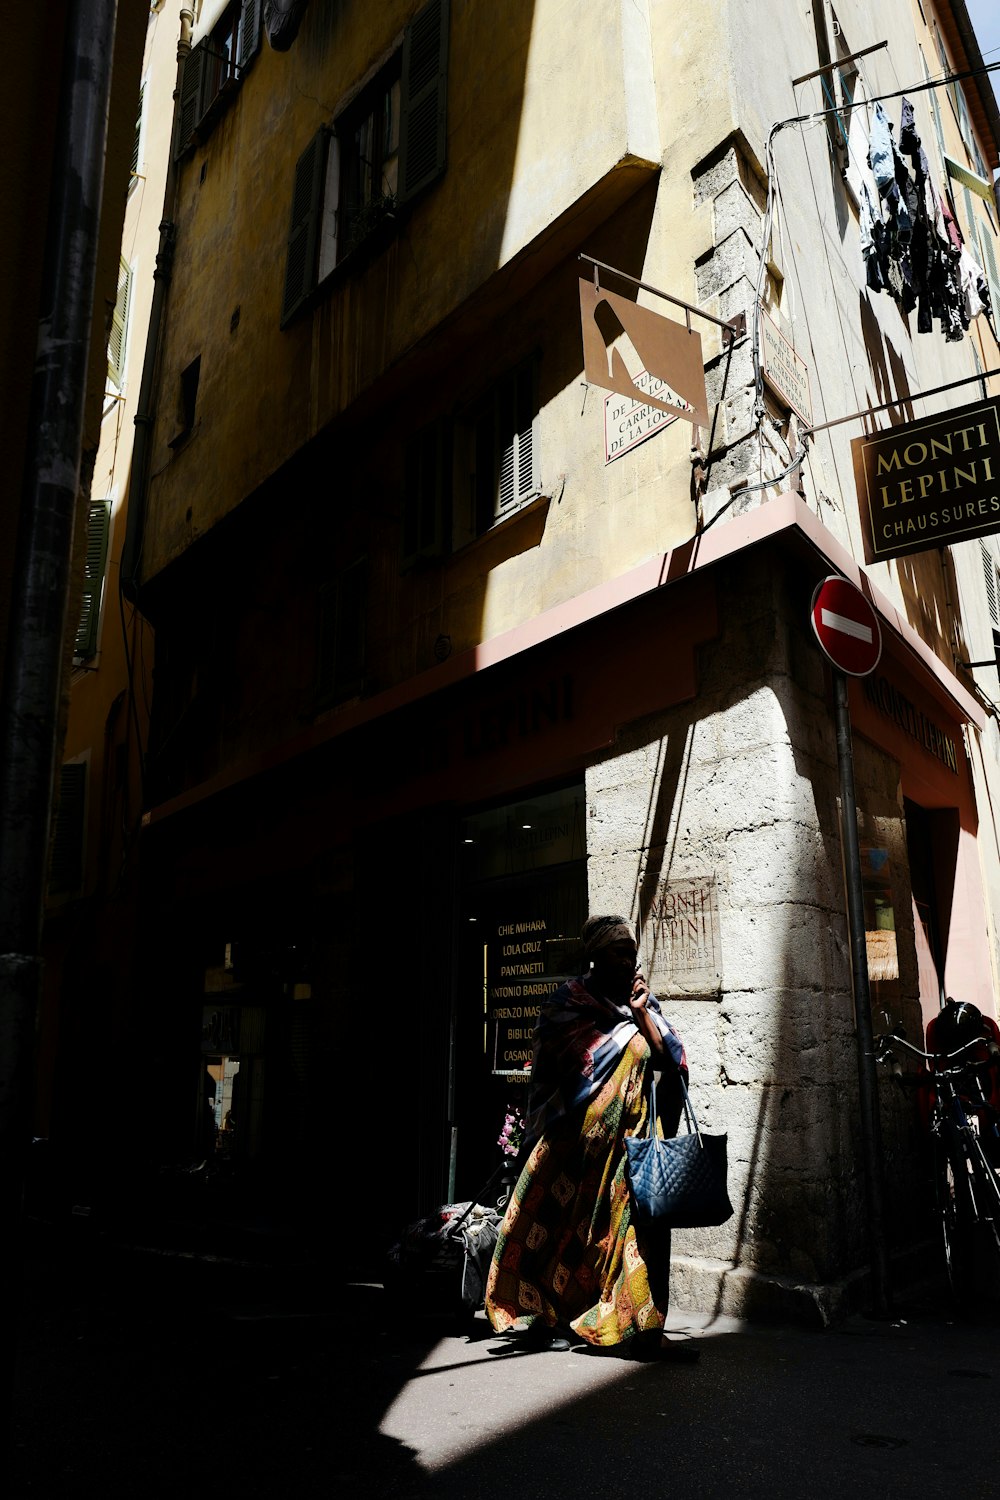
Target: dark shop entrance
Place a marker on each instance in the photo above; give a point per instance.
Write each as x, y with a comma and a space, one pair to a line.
524, 901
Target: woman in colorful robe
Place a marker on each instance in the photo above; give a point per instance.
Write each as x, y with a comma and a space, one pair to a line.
569, 1254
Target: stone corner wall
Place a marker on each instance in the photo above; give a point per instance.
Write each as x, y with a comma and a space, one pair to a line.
740, 787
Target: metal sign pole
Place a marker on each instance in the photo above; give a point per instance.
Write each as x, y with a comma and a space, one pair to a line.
871, 1131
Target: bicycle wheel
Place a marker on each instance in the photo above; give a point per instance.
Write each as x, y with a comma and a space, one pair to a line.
958, 1217
986, 1192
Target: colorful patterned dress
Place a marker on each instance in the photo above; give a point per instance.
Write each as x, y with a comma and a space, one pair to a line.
568, 1251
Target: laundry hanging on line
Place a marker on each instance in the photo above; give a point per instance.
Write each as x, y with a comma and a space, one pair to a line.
911, 243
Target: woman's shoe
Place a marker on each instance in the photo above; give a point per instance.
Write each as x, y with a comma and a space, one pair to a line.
541, 1338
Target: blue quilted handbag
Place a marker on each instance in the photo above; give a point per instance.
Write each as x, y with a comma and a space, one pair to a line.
681, 1181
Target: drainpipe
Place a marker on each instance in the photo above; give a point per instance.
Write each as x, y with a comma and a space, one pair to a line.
29, 710
135, 524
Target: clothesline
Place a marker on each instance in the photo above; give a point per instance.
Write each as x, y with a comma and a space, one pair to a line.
813, 117
916, 88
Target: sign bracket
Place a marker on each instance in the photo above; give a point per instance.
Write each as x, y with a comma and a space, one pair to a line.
868, 411
732, 328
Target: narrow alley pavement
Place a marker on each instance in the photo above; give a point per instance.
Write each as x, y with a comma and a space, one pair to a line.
152, 1380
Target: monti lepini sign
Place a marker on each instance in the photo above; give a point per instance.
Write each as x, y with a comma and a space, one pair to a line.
929, 483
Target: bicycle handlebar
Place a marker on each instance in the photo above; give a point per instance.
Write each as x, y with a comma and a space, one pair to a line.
885, 1042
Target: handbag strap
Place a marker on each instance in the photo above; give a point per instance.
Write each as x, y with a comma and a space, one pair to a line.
689, 1114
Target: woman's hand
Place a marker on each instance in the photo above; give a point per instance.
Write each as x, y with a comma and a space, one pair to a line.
640, 992
643, 1019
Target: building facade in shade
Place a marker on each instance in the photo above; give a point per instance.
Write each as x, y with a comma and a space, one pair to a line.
48, 238
93, 874
454, 644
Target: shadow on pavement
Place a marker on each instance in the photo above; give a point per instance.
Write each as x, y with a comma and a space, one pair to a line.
159, 1376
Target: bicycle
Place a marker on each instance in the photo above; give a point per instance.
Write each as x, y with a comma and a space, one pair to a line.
966, 1184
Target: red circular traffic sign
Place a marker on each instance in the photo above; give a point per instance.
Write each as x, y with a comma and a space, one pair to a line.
846, 626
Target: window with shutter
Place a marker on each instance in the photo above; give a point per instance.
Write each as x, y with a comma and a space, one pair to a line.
303, 233
340, 656
117, 343
504, 456
66, 866
935, 112
137, 140
98, 533
249, 38
427, 480
379, 153
990, 267
990, 577
424, 109
189, 105
215, 68
979, 241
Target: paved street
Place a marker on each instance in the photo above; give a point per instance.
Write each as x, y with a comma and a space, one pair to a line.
157, 1383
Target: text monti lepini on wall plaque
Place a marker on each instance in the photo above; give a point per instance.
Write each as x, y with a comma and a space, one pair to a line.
929, 483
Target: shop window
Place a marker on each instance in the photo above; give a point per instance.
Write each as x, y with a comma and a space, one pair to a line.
880, 916
214, 70
376, 157
524, 902
232, 1045
95, 565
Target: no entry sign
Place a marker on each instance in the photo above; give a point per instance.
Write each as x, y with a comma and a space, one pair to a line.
846, 627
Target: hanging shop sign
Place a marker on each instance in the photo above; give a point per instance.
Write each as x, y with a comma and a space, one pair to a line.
785, 372
929, 483
622, 341
629, 423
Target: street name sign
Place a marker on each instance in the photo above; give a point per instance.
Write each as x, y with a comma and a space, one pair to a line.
846, 626
785, 372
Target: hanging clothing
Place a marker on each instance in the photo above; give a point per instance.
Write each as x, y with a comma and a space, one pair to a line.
911, 244
881, 151
975, 290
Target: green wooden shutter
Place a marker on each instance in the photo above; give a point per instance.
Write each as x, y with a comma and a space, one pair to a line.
990, 266
98, 533
427, 493
936, 113
303, 233
119, 324
66, 867
423, 127
190, 106
248, 44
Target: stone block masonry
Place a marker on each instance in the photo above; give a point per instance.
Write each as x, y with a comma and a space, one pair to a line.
741, 785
